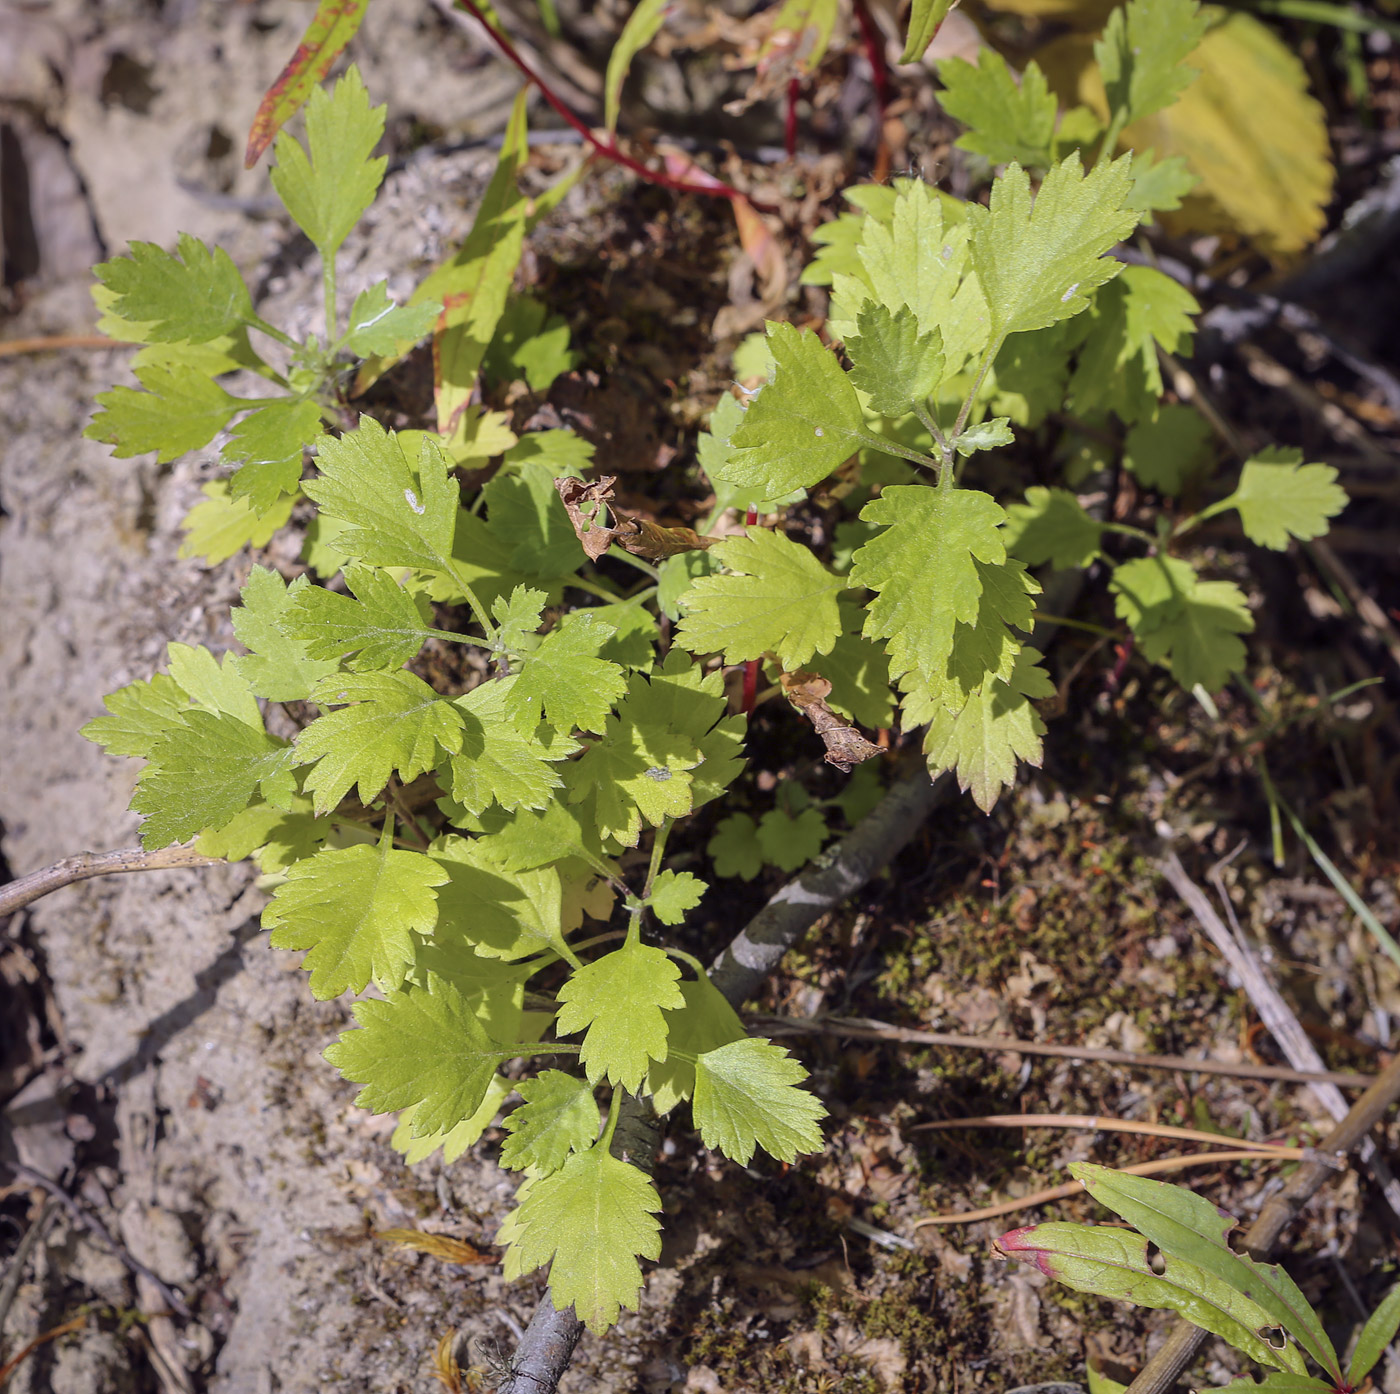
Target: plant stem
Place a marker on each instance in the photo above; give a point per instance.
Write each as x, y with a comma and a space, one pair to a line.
893, 447
614, 1108
272, 332
328, 281
931, 426
477, 608
582, 583
988, 358
1128, 530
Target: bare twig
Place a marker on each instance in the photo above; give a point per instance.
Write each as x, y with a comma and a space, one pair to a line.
48, 343
99, 1231
1377, 623
1163, 1370
27, 889
860, 1029
15, 1272
1097, 1124
10, 1366
1275, 1014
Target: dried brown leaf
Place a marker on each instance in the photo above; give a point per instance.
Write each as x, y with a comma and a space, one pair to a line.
441, 1246
845, 746
589, 502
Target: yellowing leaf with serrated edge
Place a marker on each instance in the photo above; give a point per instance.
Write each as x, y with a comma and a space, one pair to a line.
355, 909
1248, 127
593, 1218
776, 596
618, 1000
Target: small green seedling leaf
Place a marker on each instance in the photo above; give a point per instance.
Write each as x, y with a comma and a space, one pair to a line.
1009, 120
377, 325
1165, 453
328, 185
734, 847
895, 365
1280, 498
593, 1218
789, 841
422, 1049
775, 597
191, 298
986, 435
1052, 526
356, 909
559, 1117
1375, 1336
180, 410
618, 1000
746, 1095
333, 25
674, 893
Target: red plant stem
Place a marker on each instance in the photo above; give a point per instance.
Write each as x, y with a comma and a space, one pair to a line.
880, 74
794, 90
751, 667
608, 149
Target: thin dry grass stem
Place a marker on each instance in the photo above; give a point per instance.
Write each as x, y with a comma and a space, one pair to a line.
1094, 1123
1153, 1168
50, 343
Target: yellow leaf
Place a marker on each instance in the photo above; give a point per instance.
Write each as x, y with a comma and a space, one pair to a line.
1083, 14
1247, 126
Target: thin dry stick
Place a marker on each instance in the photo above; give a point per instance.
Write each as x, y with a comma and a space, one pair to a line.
10, 1366
859, 1028
1093, 1123
1375, 619
1163, 1370
17, 894
1153, 1168
94, 1226
1275, 1014
50, 342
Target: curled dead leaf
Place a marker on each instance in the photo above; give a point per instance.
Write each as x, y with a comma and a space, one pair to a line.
441, 1246
589, 502
845, 746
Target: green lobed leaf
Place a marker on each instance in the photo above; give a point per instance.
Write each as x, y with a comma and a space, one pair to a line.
279, 665
1187, 1226
1375, 1336
529, 518
565, 682
518, 617
377, 325
1159, 185
895, 365
789, 841
1038, 262
355, 910
858, 670
1008, 120
1279, 498
641, 28
181, 410
139, 714
422, 1049
268, 445
559, 1117
381, 623
592, 1218
746, 1095
532, 345
452, 1142
923, 568
194, 297
204, 771
215, 684
734, 847
924, 18
704, 1023
801, 426
395, 517
986, 435
775, 596
396, 724
1142, 55
499, 763
1187, 624
618, 1001
222, 526
673, 893
327, 186
996, 728
1052, 526
1163, 454
1113, 1263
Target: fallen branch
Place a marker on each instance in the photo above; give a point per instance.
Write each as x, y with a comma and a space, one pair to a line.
85, 865
858, 1028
